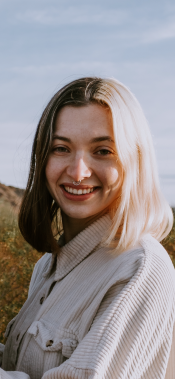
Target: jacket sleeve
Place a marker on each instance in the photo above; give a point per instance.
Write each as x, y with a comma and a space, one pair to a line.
13, 375
132, 337
1, 352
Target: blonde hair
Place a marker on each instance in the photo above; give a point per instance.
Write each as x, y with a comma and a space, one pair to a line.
142, 207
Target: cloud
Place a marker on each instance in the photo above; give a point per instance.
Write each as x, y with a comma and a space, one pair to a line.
73, 16
160, 33
123, 22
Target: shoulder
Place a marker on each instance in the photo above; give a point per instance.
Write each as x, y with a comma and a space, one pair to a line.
156, 258
43, 264
148, 270
155, 276
42, 267
148, 258
150, 287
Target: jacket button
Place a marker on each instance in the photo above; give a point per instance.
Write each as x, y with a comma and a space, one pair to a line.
49, 343
42, 299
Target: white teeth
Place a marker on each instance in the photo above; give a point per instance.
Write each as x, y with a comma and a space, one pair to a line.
78, 191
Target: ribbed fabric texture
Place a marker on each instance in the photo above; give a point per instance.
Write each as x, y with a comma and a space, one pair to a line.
170, 372
93, 315
13, 375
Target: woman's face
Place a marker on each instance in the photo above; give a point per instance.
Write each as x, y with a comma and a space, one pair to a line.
83, 149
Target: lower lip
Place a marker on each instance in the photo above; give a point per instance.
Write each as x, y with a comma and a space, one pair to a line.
73, 197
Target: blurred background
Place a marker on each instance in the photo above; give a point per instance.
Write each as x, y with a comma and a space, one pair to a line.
46, 43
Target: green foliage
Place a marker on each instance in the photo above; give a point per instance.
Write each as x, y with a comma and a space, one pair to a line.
17, 260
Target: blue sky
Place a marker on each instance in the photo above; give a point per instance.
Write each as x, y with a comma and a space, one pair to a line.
47, 43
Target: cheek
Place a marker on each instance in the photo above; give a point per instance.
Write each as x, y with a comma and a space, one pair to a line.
111, 176
52, 171
49, 171
114, 179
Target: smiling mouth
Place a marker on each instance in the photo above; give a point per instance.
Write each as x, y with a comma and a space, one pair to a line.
75, 191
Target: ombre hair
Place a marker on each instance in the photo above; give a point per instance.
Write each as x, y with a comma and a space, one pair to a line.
141, 207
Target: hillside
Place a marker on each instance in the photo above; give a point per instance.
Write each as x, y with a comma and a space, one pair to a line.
11, 196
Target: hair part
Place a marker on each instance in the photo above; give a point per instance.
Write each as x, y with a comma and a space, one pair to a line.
141, 208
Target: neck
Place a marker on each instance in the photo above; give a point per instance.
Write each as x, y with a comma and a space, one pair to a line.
73, 226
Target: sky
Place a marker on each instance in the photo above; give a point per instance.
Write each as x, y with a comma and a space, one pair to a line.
45, 44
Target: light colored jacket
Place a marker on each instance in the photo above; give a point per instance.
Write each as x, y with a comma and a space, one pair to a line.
93, 315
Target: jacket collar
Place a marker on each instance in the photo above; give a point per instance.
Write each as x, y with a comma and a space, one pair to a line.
80, 247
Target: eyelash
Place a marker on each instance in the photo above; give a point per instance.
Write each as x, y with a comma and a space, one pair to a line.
59, 147
106, 150
56, 149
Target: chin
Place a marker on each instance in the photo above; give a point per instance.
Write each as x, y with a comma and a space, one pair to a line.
80, 215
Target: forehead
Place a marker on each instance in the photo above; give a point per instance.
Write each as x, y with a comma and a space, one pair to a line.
92, 119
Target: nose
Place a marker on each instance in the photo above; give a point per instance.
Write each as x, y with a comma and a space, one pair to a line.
78, 169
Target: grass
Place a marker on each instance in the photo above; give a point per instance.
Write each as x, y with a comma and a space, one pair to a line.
17, 260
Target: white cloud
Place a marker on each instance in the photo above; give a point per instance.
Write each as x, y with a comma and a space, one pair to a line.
160, 33
73, 15
126, 20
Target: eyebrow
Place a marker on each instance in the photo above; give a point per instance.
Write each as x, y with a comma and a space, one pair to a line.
93, 140
61, 138
102, 138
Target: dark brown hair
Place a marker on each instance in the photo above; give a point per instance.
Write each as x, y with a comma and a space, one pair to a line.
38, 209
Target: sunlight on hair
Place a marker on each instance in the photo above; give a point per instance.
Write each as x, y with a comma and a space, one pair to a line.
142, 208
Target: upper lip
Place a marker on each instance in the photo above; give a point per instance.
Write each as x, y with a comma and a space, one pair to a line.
80, 186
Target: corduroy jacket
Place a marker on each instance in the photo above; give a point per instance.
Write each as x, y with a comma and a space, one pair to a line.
91, 314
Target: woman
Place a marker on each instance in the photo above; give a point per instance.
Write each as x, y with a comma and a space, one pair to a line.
101, 302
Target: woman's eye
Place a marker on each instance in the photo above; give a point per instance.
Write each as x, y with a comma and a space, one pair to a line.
60, 149
104, 152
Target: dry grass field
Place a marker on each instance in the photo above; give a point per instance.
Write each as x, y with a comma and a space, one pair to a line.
17, 258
